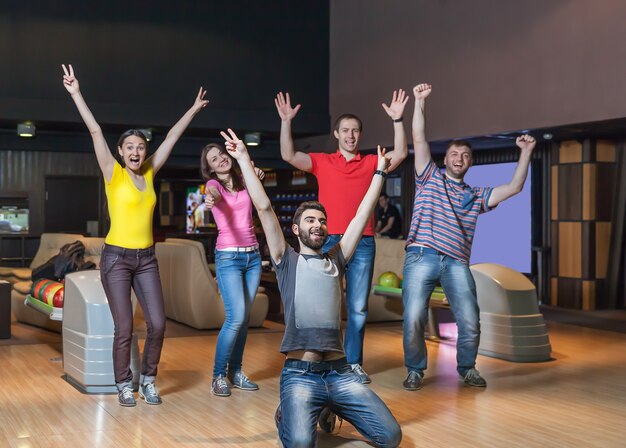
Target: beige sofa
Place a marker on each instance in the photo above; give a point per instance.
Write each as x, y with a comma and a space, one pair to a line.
190, 292
48, 247
389, 257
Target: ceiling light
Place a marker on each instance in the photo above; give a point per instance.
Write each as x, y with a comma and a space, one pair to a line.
252, 139
147, 132
26, 129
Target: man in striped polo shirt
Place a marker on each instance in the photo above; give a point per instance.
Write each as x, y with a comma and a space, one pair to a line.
439, 244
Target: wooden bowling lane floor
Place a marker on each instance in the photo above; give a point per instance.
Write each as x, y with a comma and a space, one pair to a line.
576, 400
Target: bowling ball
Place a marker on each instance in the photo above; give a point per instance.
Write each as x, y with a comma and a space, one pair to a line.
389, 280
57, 300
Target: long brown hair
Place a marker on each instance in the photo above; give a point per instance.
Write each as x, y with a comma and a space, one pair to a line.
208, 173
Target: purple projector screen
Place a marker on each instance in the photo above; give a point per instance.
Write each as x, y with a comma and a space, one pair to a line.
503, 234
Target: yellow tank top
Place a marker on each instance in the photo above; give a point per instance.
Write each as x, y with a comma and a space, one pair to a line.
130, 209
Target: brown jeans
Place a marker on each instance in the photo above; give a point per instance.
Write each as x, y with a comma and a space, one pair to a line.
121, 268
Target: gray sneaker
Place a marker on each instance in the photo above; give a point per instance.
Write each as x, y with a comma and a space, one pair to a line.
219, 387
363, 377
241, 381
414, 380
328, 421
126, 398
150, 393
472, 378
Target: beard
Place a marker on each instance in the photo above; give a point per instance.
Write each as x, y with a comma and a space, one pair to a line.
305, 238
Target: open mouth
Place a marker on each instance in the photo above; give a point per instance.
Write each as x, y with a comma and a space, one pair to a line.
317, 234
134, 160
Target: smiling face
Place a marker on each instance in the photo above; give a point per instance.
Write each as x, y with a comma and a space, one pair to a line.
458, 160
133, 152
312, 230
348, 134
218, 161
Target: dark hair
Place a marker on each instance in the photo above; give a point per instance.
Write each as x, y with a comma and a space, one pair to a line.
124, 136
384, 195
342, 117
207, 173
459, 142
308, 205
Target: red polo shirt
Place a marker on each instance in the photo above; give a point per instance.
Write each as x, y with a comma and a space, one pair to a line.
342, 186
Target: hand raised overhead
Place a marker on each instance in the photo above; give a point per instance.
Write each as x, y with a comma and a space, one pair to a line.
283, 105
69, 80
234, 145
421, 91
200, 102
396, 107
526, 142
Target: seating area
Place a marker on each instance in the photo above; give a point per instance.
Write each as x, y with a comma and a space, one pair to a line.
191, 292
21, 277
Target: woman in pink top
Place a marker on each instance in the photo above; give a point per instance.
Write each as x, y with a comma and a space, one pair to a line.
237, 262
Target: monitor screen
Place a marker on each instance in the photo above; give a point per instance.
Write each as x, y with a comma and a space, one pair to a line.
13, 219
197, 215
503, 235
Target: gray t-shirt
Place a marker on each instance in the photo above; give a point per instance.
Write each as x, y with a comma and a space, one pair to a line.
311, 290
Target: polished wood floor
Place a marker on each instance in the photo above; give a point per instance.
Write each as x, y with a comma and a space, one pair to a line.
576, 400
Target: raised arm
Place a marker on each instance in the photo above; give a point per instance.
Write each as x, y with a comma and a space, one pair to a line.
526, 143
299, 160
159, 158
355, 229
420, 145
271, 226
395, 110
106, 161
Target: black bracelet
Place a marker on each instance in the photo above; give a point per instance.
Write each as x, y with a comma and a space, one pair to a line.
381, 172
397, 120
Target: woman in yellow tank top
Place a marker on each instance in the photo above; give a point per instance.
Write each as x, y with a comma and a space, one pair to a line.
128, 256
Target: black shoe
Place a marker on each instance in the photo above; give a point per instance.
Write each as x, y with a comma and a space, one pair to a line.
473, 378
414, 380
328, 420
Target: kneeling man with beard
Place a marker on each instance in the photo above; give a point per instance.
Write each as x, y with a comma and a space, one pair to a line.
317, 383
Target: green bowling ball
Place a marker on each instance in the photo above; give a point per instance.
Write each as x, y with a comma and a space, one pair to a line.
389, 280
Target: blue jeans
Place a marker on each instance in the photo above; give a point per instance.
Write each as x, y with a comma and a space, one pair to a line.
423, 267
238, 277
359, 274
307, 387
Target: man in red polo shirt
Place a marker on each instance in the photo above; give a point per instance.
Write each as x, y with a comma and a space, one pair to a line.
343, 178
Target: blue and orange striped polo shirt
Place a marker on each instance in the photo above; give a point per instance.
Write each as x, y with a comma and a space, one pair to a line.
445, 213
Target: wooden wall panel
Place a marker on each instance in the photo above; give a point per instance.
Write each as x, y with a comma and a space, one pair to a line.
554, 253
589, 295
589, 191
570, 192
570, 151
605, 151
554, 192
603, 238
588, 242
570, 249
570, 293
605, 190
554, 291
